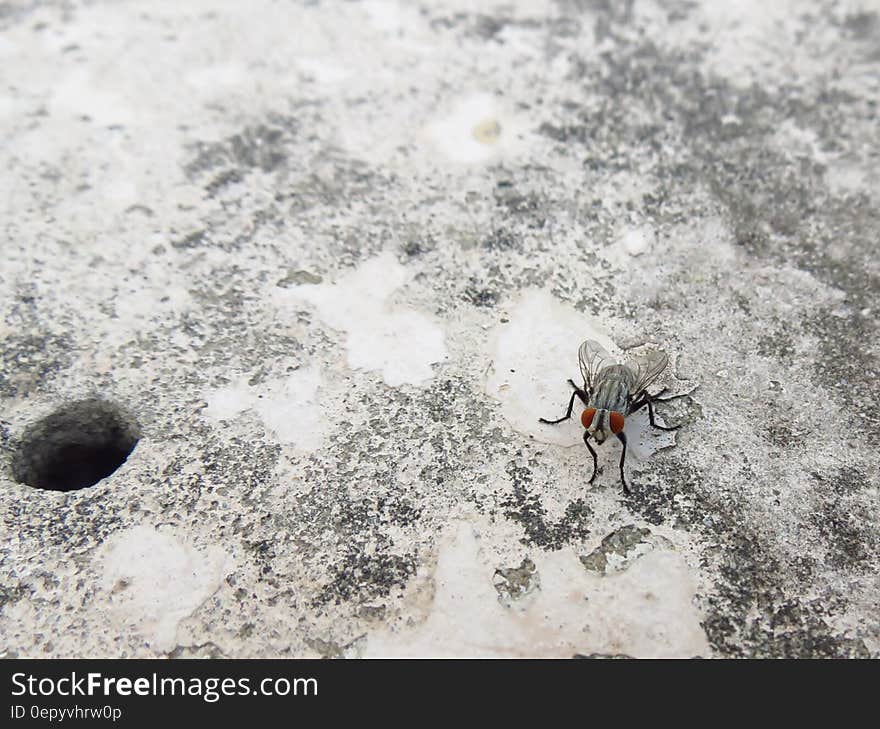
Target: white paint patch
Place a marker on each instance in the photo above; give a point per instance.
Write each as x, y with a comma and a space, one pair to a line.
400, 343
81, 94
476, 129
646, 611
636, 241
218, 76
389, 17
630, 242
154, 581
750, 41
323, 70
290, 407
851, 178
534, 355
643, 441
799, 141
9, 109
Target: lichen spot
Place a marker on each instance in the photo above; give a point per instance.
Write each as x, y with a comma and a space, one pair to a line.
487, 131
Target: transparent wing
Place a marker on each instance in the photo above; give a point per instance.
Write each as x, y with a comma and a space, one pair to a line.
592, 358
646, 368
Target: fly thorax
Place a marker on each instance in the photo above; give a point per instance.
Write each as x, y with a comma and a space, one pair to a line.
612, 388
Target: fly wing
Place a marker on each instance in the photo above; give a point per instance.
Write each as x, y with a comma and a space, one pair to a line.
592, 357
646, 368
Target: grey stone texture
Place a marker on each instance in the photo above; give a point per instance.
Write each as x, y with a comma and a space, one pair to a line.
330, 261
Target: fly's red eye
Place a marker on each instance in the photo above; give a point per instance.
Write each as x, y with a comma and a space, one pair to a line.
587, 417
616, 420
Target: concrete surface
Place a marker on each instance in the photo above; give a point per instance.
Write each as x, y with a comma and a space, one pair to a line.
329, 262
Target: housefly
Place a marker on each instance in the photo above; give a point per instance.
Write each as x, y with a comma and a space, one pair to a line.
611, 392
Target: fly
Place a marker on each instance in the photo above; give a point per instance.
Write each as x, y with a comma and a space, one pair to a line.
611, 393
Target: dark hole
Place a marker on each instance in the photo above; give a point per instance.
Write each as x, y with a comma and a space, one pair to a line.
76, 446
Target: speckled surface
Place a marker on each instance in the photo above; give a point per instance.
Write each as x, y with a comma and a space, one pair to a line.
292, 240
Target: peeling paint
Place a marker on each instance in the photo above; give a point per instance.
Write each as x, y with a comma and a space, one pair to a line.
399, 342
154, 581
534, 356
646, 612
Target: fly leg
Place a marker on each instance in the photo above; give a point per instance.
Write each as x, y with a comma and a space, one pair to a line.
651, 419
592, 453
577, 393
657, 398
564, 417
643, 399
649, 400
622, 438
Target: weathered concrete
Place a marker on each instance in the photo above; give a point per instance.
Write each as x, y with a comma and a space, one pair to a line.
335, 259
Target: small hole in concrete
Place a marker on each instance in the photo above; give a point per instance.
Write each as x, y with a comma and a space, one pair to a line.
76, 446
